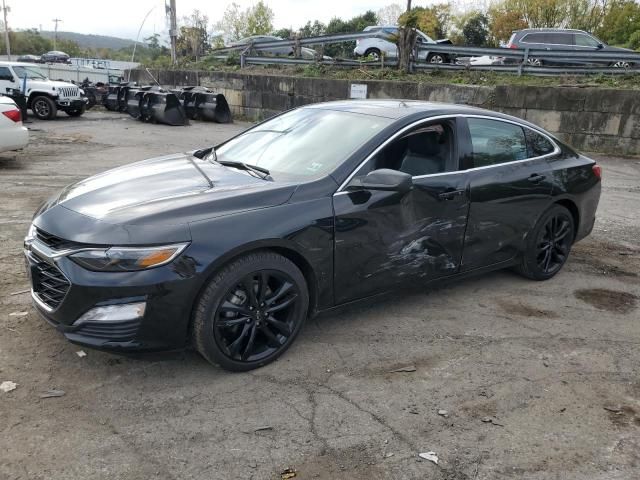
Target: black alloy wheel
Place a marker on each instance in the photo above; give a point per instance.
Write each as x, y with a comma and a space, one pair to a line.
549, 244
43, 108
251, 311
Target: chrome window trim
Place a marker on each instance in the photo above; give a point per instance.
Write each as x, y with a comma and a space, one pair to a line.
547, 43
556, 148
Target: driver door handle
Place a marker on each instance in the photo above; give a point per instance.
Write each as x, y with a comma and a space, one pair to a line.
451, 194
536, 178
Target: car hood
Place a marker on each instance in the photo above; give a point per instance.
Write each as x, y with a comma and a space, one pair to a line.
609, 48
155, 194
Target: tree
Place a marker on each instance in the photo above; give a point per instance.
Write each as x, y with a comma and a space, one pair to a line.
503, 22
434, 21
193, 37
313, 29
237, 23
476, 31
621, 23
355, 24
407, 35
390, 14
259, 19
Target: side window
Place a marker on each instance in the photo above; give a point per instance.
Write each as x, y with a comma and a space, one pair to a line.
538, 144
424, 150
583, 40
560, 38
534, 38
495, 142
5, 74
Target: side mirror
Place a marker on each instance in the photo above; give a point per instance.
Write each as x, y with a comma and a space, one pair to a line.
600, 46
385, 179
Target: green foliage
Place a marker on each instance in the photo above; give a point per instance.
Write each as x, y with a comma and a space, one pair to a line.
355, 24
476, 30
434, 21
27, 42
237, 23
621, 23
193, 38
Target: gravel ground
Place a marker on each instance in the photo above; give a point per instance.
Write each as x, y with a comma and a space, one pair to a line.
539, 380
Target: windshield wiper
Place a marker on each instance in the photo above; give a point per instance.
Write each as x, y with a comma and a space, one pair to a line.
210, 155
261, 172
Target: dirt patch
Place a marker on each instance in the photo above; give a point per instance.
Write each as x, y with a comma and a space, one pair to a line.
608, 259
609, 300
356, 463
523, 310
626, 416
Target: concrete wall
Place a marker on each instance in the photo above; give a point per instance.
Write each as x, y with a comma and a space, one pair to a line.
589, 119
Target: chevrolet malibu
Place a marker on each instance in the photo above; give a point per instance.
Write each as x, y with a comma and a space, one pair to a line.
230, 248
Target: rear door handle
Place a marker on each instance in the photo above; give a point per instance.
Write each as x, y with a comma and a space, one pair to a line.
535, 178
451, 194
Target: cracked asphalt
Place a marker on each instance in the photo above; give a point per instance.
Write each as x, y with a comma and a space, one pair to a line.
539, 380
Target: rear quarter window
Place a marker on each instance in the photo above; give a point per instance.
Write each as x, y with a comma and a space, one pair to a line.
537, 144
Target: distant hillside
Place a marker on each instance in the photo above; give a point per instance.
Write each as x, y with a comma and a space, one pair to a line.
91, 41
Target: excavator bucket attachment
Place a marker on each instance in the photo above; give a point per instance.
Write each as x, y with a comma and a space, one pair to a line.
134, 98
202, 104
158, 106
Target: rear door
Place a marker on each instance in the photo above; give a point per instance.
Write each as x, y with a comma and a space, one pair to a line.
510, 186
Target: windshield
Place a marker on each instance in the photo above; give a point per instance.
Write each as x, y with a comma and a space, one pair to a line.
33, 73
303, 144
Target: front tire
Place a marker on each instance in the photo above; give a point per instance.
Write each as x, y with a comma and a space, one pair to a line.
548, 244
44, 108
251, 311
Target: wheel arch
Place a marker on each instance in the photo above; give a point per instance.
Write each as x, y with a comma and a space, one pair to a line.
35, 94
573, 209
275, 245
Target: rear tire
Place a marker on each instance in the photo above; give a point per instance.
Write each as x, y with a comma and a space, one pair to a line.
548, 244
436, 58
251, 311
374, 53
44, 108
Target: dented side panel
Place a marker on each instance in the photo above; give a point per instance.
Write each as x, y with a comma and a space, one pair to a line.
385, 238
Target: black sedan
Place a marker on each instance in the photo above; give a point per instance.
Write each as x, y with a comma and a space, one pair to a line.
231, 249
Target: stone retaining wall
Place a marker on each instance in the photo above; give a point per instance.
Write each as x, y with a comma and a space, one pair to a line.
590, 119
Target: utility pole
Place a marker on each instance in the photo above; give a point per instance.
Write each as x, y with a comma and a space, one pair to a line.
55, 34
6, 9
173, 29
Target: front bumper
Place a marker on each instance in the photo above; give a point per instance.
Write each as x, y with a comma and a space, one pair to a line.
169, 292
71, 104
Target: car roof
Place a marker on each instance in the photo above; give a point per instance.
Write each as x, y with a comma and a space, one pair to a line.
397, 109
549, 30
17, 64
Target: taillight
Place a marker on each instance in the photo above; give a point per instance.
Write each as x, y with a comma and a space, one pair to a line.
512, 45
597, 170
13, 115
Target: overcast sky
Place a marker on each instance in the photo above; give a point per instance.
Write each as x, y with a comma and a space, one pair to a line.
122, 18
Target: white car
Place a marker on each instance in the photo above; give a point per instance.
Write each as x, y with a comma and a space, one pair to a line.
374, 47
13, 135
44, 97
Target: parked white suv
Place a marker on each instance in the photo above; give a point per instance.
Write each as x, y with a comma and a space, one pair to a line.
374, 47
44, 97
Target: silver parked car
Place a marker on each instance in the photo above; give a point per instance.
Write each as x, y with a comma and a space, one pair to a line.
385, 44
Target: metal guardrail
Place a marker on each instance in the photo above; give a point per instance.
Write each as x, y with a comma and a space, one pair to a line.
517, 59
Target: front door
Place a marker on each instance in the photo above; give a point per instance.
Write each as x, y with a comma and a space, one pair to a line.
7, 81
384, 238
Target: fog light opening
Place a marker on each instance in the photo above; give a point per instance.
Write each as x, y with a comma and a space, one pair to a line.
113, 313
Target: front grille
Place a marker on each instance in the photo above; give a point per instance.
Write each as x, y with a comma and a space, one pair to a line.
69, 91
49, 283
52, 241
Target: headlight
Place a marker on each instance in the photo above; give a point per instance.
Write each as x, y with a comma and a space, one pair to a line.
127, 259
